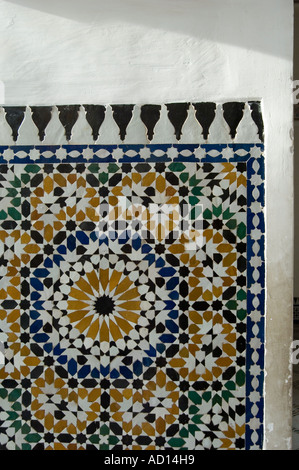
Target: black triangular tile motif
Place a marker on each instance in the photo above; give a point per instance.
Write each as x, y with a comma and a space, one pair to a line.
150, 115
122, 114
68, 115
41, 116
233, 113
14, 116
205, 114
256, 115
95, 115
177, 113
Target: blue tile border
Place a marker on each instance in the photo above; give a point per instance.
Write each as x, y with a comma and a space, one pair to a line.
255, 302
40, 154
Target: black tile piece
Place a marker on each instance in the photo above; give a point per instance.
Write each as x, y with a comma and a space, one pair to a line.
9, 383
41, 116
142, 167
14, 116
65, 168
68, 115
229, 293
143, 440
205, 114
150, 115
122, 114
66, 438
177, 114
257, 117
8, 225
26, 396
233, 113
241, 344
95, 115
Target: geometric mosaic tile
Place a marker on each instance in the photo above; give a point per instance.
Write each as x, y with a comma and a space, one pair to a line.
132, 296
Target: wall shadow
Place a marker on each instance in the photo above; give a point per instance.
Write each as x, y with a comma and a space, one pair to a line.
183, 16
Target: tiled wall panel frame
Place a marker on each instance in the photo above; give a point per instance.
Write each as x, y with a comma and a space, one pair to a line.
125, 339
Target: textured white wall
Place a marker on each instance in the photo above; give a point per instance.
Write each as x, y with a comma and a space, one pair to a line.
136, 51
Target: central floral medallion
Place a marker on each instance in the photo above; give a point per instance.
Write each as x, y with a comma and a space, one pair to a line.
104, 305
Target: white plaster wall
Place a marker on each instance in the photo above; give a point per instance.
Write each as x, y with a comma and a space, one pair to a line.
136, 51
